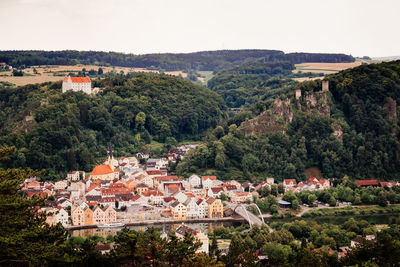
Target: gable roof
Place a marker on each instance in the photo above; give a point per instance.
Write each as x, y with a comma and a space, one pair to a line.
216, 190
366, 182
168, 199
209, 177
288, 181
102, 170
77, 79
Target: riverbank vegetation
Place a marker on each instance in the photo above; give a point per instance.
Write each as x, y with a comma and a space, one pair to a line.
352, 211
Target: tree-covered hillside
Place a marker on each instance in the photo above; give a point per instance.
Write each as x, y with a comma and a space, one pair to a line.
205, 60
353, 130
61, 132
252, 82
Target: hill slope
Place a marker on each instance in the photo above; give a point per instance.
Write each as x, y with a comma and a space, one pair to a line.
62, 132
353, 130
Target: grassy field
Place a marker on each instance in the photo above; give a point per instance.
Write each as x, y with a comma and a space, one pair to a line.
57, 73
326, 68
206, 76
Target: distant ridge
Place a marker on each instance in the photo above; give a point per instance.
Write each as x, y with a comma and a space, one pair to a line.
204, 60
390, 58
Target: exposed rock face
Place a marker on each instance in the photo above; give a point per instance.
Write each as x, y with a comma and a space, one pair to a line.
26, 124
281, 114
272, 120
318, 101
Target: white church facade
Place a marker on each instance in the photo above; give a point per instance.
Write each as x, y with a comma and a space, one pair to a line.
77, 84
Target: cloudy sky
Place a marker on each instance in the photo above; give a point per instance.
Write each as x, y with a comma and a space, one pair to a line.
357, 27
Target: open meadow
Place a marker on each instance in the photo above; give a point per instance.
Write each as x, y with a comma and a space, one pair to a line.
57, 73
326, 68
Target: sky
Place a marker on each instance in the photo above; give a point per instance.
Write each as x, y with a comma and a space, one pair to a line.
356, 27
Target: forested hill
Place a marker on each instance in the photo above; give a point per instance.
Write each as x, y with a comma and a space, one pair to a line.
351, 130
206, 60
62, 132
251, 82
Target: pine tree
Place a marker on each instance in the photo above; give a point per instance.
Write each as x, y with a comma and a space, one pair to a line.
25, 237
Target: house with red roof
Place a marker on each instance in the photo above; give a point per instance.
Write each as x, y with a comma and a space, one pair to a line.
366, 183
76, 84
105, 172
208, 181
155, 196
289, 183
215, 191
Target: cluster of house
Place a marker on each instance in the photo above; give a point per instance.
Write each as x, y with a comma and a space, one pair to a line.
178, 153
310, 184
86, 199
146, 191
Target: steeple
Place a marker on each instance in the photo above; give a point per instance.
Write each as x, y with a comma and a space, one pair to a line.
110, 157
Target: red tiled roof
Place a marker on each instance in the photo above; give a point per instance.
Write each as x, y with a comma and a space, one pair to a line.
168, 199
78, 79
102, 170
165, 178
155, 172
231, 187
188, 194
209, 177
288, 181
384, 184
153, 193
366, 182
216, 190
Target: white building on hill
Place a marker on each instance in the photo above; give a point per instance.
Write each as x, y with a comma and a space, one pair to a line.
77, 84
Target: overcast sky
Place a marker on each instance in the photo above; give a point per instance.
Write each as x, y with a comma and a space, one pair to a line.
357, 27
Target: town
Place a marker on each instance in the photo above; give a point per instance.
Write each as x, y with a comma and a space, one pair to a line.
124, 191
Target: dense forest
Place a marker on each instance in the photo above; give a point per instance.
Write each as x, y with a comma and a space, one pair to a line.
62, 132
351, 130
206, 60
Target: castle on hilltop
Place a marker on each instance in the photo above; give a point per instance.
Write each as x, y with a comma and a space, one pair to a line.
77, 84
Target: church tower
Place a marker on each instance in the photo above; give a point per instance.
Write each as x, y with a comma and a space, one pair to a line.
110, 159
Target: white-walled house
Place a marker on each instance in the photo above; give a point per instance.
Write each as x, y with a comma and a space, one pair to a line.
207, 181
77, 84
192, 208
60, 185
215, 192
194, 181
62, 217
203, 208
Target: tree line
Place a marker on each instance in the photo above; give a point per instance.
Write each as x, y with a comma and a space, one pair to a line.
205, 60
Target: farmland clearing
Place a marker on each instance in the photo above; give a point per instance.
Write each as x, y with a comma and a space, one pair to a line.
57, 73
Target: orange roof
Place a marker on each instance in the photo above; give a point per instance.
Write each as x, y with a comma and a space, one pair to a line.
209, 177
188, 194
78, 79
102, 170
